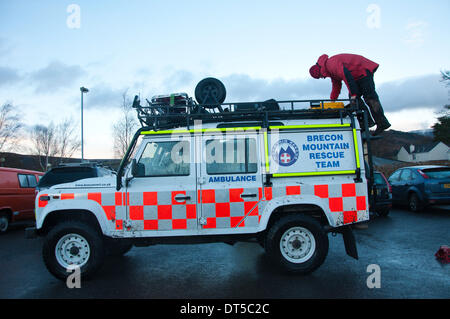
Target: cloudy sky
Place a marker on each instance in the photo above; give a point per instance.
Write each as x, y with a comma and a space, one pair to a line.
259, 49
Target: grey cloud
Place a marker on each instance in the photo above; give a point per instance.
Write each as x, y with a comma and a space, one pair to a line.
177, 80
103, 96
417, 92
242, 87
422, 91
9, 76
55, 76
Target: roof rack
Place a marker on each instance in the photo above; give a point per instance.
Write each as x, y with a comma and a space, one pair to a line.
179, 110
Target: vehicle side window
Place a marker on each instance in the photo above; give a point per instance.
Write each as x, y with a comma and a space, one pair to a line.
31, 181
231, 156
378, 179
394, 177
23, 181
406, 175
171, 158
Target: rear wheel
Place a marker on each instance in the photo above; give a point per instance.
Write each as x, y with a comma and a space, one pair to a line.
4, 222
73, 243
414, 203
297, 243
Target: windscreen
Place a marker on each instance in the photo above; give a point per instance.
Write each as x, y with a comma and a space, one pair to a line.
438, 173
66, 175
378, 179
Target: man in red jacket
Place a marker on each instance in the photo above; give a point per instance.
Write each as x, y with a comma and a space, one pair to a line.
357, 73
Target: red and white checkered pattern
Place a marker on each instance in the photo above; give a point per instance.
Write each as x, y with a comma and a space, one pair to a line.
221, 208
347, 202
226, 209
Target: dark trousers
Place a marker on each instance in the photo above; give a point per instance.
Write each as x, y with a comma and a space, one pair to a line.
366, 87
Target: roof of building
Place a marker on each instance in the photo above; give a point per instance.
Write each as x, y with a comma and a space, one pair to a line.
424, 148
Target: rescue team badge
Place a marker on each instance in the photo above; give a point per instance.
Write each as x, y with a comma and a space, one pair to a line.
285, 152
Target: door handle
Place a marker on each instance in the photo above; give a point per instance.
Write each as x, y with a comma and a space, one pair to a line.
182, 198
247, 195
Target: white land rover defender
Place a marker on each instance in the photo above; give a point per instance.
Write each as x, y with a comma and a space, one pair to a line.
273, 172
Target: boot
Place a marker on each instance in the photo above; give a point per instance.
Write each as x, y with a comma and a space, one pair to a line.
382, 124
378, 115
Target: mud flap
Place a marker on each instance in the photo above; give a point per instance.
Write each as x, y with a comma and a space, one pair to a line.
349, 242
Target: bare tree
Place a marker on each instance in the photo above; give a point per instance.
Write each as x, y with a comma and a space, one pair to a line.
67, 138
446, 77
44, 143
55, 141
124, 128
10, 126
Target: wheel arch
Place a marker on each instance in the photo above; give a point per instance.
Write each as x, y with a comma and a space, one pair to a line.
58, 216
8, 212
275, 209
73, 209
414, 190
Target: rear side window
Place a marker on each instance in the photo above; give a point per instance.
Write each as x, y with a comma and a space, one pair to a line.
23, 181
406, 175
66, 175
395, 176
378, 179
231, 156
438, 173
27, 180
31, 181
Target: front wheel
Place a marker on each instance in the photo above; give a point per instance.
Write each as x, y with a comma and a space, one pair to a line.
73, 244
297, 243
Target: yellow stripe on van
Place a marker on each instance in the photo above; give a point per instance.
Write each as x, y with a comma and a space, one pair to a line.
313, 173
266, 151
206, 130
355, 141
283, 127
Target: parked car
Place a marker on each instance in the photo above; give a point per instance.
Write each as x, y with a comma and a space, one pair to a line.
71, 172
421, 186
17, 194
382, 192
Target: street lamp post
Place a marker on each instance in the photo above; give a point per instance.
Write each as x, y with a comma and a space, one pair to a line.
83, 90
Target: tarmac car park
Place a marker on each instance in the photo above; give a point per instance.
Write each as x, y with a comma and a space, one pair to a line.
267, 172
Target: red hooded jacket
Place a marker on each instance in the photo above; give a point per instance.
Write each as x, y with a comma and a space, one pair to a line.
345, 67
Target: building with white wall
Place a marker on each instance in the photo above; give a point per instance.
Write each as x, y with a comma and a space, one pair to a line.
436, 151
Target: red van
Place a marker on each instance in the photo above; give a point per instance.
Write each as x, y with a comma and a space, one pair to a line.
17, 194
